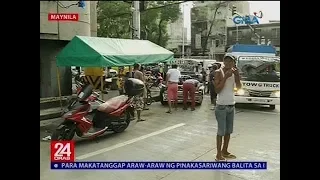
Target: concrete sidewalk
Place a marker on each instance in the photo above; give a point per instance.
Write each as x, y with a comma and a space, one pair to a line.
256, 138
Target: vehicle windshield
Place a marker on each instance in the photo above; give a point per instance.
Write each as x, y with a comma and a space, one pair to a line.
259, 68
186, 68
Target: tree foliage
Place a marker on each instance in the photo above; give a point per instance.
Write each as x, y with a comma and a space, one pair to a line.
212, 22
110, 25
115, 17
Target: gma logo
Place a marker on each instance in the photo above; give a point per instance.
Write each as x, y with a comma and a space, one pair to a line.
249, 19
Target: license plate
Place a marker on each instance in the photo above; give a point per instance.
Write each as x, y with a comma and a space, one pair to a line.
259, 100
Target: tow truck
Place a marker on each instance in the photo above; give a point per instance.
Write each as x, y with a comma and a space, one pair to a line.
259, 69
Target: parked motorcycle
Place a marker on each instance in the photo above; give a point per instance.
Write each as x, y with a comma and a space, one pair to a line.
153, 81
112, 115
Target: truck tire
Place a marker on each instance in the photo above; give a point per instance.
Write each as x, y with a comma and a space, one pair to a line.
162, 101
200, 102
272, 107
161, 97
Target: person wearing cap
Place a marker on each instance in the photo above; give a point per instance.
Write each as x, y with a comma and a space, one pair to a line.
225, 79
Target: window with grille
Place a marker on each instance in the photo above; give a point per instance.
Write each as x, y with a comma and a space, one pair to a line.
275, 32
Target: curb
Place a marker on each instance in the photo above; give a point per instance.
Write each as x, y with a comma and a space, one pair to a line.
49, 122
50, 116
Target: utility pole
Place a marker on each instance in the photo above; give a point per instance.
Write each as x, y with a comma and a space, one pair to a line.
135, 24
182, 31
136, 20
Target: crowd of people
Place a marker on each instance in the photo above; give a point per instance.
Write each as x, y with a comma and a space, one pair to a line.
172, 78
221, 83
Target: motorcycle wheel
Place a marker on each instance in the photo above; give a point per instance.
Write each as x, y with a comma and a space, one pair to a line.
162, 101
121, 128
149, 98
63, 133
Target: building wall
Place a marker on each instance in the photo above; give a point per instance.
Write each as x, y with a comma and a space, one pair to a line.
93, 18
54, 36
202, 14
63, 30
270, 31
48, 70
175, 34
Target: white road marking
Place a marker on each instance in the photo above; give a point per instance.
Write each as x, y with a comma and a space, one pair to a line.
85, 156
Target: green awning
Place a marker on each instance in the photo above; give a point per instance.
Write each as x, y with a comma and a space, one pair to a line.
86, 51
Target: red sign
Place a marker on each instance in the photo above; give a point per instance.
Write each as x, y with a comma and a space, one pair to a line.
63, 17
62, 151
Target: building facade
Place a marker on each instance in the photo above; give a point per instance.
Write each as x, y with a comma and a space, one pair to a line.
208, 34
54, 36
269, 34
175, 37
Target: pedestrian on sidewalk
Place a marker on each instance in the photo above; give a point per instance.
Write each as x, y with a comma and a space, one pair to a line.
204, 80
172, 81
224, 80
121, 80
213, 94
190, 86
143, 70
138, 100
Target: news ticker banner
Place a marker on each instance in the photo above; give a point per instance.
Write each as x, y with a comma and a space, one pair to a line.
143, 165
63, 158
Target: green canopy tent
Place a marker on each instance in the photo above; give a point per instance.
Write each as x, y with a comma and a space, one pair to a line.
87, 51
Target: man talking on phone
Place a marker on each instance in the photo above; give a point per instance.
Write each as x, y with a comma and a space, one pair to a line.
224, 82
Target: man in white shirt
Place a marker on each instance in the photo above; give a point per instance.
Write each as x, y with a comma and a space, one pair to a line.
172, 80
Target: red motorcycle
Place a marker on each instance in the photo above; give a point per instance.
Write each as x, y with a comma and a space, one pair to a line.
112, 115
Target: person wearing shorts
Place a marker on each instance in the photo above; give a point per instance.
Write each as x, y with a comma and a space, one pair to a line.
225, 79
172, 80
138, 101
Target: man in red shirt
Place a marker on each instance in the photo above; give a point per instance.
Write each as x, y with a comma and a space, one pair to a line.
189, 89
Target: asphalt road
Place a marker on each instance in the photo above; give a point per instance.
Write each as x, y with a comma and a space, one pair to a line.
183, 135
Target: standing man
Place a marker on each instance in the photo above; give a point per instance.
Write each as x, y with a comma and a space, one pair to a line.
204, 78
213, 94
161, 69
138, 100
172, 80
224, 80
143, 70
189, 89
121, 80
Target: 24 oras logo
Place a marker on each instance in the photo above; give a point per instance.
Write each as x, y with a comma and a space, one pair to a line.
62, 151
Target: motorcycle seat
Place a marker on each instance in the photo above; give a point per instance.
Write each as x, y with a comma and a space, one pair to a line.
113, 104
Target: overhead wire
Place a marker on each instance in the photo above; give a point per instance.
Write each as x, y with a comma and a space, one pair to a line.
148, 9
66, 7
